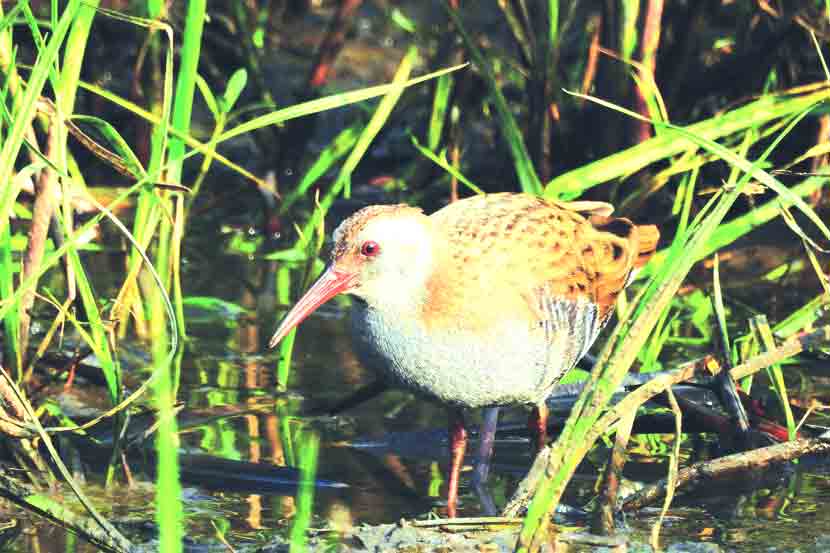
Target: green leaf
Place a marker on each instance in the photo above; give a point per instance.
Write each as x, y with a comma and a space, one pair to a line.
442, 162
125, 155
440, 105
403, 21
236, 84
207, 94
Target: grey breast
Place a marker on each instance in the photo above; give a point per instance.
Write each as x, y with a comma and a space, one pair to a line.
515, 363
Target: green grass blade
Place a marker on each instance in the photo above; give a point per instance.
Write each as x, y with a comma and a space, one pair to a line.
310, 447
11, 322
442, 162
236, 84
728, 232
286, 351
720, 312
629, 13
765, 110
339, 147
204, 149
801, 318
23, 115
208, 96
186, 83
169, 507
776, 375
327, 103
528, 180
399, 84
440, 105
122, 155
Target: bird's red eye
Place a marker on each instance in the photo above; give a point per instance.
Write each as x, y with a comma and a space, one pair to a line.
370, 248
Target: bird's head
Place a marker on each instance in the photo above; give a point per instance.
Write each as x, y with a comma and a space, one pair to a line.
382, 254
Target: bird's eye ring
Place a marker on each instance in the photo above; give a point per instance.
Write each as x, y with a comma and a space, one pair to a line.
369, 248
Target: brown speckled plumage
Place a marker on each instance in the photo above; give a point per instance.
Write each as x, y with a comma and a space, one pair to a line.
526, 245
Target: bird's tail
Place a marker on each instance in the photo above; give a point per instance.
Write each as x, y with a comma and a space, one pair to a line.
647, 238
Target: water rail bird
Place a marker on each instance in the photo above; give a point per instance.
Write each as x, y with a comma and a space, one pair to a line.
487, 302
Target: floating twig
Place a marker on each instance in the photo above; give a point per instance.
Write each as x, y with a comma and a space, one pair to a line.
705, 471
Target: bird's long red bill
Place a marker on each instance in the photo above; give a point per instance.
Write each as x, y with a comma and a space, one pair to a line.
330, 283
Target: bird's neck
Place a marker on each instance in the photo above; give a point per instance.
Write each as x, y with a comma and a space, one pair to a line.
401, 305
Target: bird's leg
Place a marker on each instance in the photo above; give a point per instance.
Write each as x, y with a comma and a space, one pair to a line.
728, 394
486, 435
537, 423
458, 445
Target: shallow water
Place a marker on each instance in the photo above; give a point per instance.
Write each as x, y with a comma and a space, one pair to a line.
391, 450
